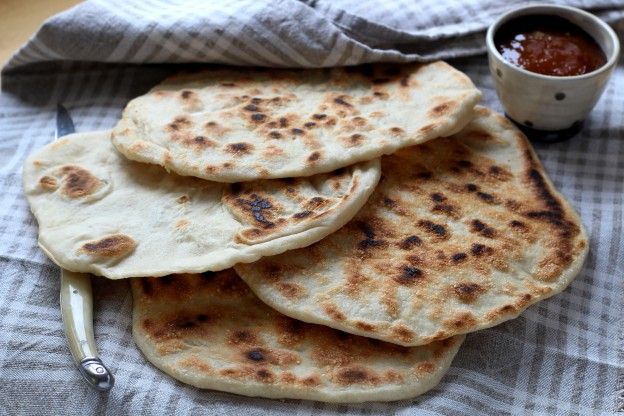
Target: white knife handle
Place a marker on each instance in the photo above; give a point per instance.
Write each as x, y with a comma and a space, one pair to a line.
77, 312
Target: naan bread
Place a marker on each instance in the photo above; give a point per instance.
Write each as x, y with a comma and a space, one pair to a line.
211, 331
99, 212
462, 233
231, 125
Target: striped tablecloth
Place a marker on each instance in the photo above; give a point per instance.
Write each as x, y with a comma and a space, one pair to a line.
562, 356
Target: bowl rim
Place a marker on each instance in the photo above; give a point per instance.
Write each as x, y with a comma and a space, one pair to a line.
543, 9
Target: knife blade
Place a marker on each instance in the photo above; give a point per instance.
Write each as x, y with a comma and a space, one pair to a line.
64, 122
77, 303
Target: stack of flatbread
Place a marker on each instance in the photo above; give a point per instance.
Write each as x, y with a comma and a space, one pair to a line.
319, 234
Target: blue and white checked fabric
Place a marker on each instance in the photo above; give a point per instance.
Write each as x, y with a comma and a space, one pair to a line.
562, 356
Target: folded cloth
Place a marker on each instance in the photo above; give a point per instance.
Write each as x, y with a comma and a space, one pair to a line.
562, 356
310, 33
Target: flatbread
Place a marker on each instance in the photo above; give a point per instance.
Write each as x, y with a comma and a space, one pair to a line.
211, 331
240, 124
99, 212
462, 233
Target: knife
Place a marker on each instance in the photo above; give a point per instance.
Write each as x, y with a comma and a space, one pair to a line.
77, 304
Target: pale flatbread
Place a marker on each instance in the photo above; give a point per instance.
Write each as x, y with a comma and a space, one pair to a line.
239, 124
462, 233
99, 212
211, 331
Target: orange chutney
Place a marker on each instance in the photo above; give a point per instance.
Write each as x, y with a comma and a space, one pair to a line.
548, 45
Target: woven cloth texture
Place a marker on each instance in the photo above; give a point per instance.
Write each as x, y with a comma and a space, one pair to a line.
562, 356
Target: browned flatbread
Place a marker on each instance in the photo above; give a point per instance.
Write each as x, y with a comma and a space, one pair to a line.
101, 213
211, 331
240, 124
461, 233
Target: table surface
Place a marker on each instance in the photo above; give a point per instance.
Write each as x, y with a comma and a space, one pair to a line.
20, 20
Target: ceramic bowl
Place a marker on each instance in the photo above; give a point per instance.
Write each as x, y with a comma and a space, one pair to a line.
551, 103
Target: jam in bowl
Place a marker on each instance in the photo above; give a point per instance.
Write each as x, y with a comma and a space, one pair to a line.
548, 45
550, 65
